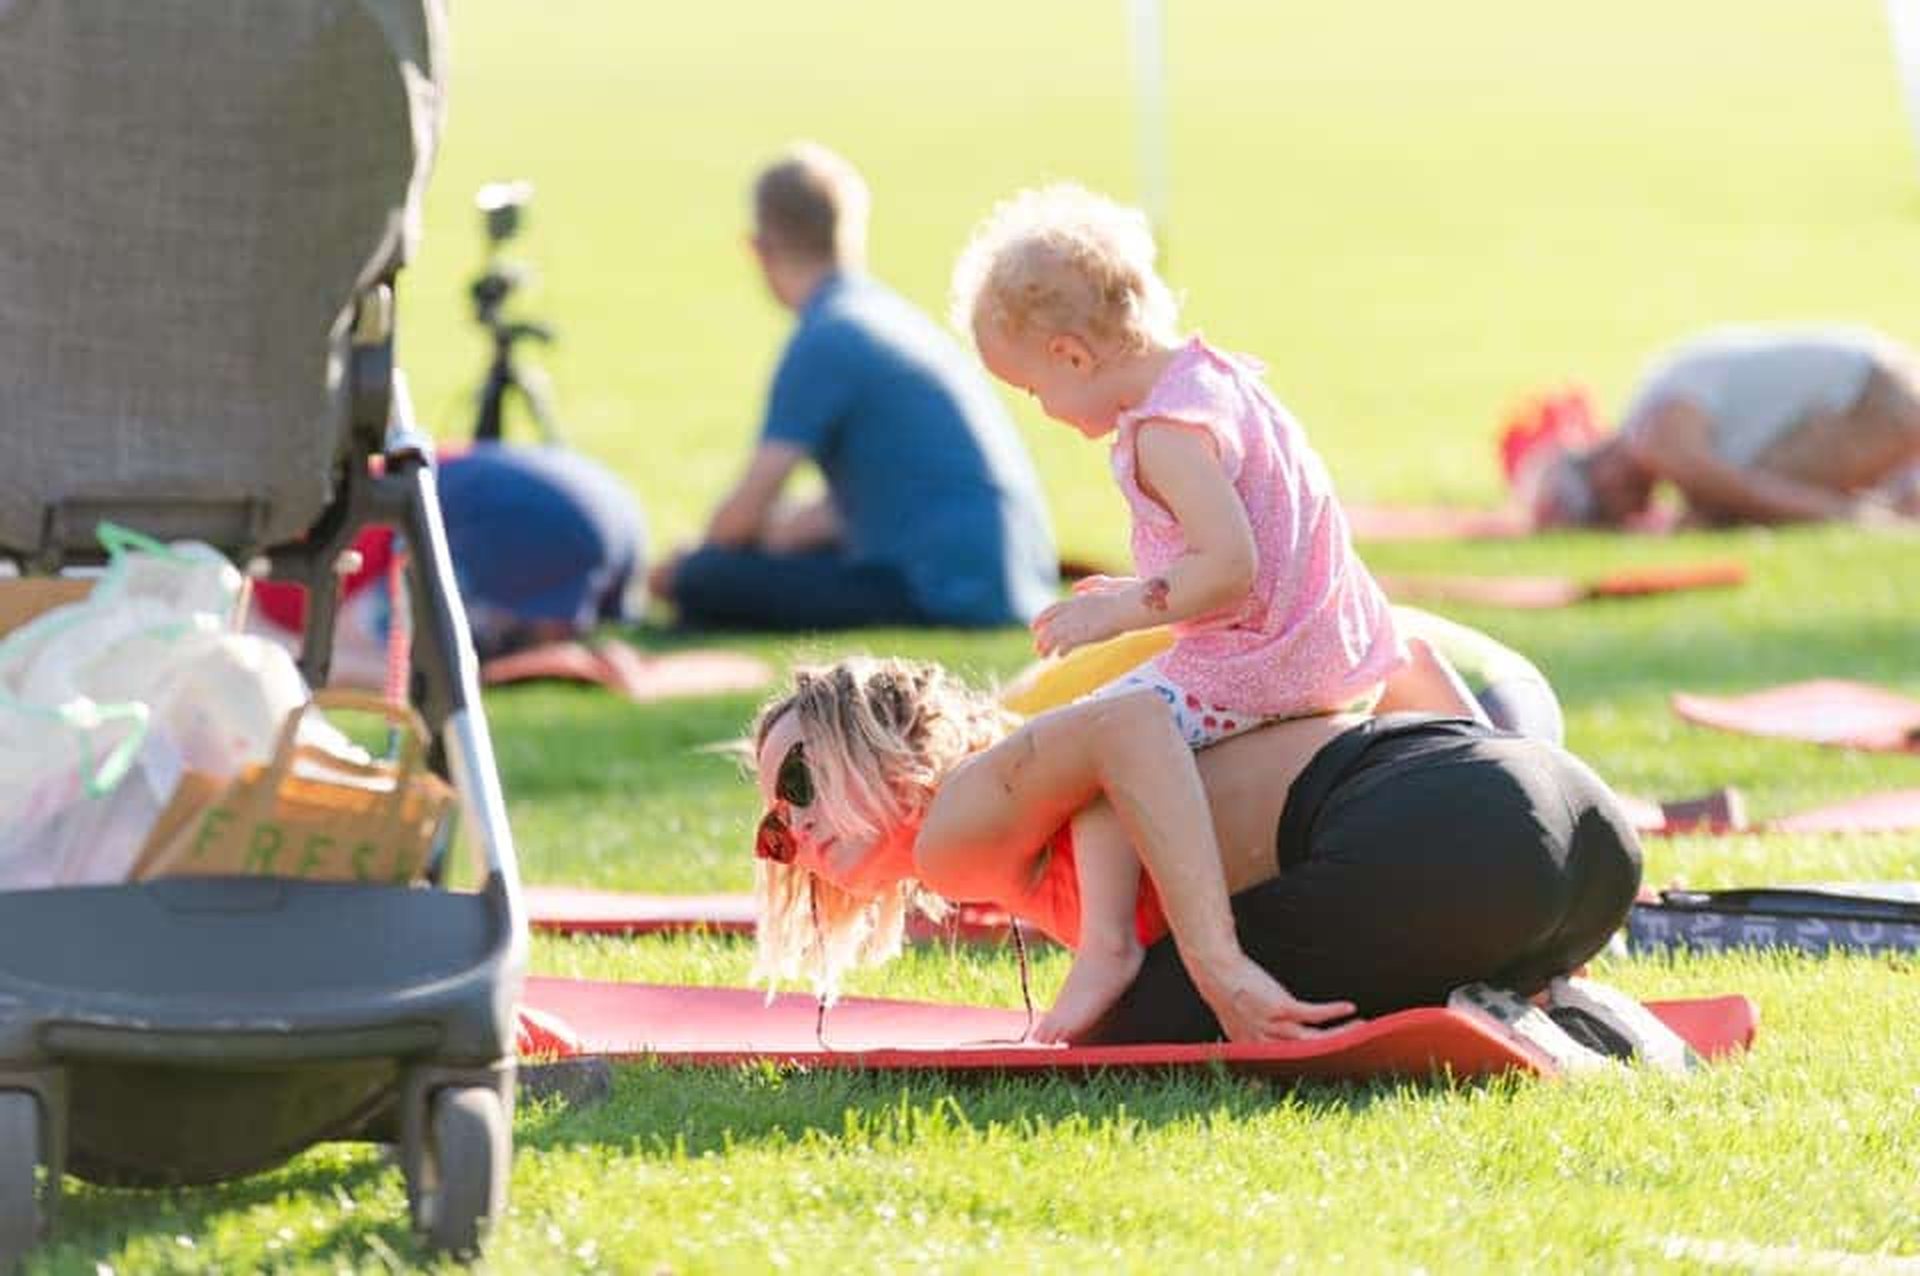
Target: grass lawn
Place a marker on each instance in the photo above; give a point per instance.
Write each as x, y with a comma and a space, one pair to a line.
1413, 214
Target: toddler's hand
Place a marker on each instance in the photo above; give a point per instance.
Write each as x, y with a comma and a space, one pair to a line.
1078, 621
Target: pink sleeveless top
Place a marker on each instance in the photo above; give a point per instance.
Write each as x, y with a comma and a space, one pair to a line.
1314, 634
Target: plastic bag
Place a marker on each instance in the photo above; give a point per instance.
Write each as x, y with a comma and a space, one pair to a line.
106, 701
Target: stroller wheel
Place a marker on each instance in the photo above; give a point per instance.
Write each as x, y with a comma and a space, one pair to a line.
465, 1174
20, 1215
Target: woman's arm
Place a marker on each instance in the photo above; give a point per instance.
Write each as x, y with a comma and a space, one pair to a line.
981, 837
741, 516
1179, 468
1675, 442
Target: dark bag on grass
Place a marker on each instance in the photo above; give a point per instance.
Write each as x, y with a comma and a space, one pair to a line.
1870, 917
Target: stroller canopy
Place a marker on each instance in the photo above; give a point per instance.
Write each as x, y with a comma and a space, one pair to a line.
197, 194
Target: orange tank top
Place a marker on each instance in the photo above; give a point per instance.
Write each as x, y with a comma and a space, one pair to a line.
1054, 903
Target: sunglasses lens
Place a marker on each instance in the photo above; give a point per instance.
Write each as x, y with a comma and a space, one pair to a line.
774, 841
794, 784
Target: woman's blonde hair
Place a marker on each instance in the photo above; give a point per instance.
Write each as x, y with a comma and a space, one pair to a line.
879, 736
1061, 258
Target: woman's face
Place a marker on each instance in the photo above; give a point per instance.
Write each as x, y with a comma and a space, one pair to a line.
1622, 486
860, 866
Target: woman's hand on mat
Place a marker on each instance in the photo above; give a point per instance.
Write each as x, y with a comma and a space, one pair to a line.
1086, 618
1252, 1005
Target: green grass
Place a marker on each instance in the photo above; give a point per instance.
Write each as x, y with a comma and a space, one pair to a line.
1413, 213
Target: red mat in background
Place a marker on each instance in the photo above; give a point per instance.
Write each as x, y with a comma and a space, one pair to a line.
723, 1026
1544, 592
1893, 812
1722, 811
568, 910
1826, 711
623, 669
1431, 523
1896, 812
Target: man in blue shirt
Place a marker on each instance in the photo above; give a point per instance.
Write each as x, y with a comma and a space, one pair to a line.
933, 514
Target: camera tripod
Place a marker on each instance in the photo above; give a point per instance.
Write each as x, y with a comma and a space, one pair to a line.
501, 205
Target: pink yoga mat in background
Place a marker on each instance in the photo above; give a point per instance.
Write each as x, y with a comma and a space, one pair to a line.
1540, 593
1429, 523
627, 671
1853, 715
572, 910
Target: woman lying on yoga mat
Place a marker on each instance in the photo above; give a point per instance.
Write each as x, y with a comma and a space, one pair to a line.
1755, 425
1301, 873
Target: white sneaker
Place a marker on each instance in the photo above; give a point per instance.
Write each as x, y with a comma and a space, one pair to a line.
1637, 1029
1528, 1026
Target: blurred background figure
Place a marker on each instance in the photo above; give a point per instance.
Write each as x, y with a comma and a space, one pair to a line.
544, 540
1752, 425
932, 515
544, 543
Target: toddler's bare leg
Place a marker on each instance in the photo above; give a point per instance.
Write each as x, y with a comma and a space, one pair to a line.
1109, 953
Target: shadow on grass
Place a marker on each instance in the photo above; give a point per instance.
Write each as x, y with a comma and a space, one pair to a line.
662, 1111
93, 1222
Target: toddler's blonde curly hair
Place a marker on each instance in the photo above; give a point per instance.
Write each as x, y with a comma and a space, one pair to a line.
879, 736
1062, 258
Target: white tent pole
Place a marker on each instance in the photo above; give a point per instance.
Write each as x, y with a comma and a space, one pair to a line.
1150, 97
1903, 20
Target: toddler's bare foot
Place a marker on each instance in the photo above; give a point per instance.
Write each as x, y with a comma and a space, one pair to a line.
1099, 974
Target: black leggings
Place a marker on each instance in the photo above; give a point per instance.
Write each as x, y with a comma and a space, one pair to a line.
1417, 854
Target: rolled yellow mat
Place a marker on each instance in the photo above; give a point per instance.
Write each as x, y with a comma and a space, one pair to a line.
1050, 683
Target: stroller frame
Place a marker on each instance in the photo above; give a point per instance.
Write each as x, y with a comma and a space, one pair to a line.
449, 1100
192, 1030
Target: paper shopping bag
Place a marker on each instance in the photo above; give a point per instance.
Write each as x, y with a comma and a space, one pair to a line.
306, 812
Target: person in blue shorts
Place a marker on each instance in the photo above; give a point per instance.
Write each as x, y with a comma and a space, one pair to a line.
932, 515
544, 541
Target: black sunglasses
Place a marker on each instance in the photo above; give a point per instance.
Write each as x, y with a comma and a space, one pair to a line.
792, 784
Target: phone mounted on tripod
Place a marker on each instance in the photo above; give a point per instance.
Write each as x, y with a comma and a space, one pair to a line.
503, 207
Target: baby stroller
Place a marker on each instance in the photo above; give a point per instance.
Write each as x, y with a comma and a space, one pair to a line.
206, 206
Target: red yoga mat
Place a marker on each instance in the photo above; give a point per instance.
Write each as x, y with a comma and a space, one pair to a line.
1896, 812
1428, 523
621, 668
724, 1026
1537, 593
1724, 811
568, 910
1832, 711
1721, 811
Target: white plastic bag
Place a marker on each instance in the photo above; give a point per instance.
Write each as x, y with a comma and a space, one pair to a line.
104, 701
90, 838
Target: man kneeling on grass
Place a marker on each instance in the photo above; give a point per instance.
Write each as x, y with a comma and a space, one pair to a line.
932, 515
